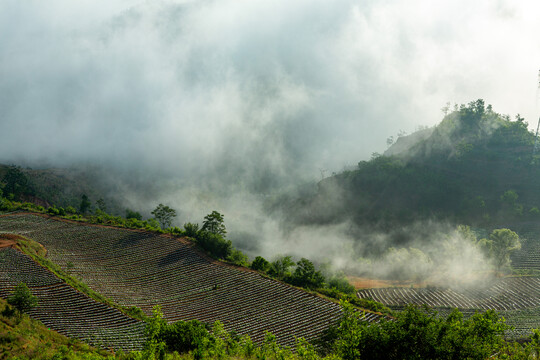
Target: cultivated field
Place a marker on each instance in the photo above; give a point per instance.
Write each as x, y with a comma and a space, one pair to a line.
141, 269
516, 299
66, 310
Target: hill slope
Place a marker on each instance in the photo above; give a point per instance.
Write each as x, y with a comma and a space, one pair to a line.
476, 167
66, 310
142, 269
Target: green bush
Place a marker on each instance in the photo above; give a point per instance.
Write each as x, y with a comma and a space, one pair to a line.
306, 276
419, 333
184, 336
238, 258
191, 229
214, 244
260, 264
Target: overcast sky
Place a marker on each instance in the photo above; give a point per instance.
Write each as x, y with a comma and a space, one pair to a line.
258, 89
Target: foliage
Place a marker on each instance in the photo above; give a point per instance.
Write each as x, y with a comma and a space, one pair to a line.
130, 214
260, 264
184, 336
214, 244
237, 257
191, 229
22, 299
101, 205
341, 284
280, 267
164, 215
418, 333
214, 223
457, 173
306, 276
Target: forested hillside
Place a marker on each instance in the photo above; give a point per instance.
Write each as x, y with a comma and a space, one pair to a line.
476, 167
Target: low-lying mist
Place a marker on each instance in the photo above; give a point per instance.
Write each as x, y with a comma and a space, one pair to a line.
226, 105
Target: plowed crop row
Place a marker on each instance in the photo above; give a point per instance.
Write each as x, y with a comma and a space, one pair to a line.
66, 310
504, 294
141, 269
528, 257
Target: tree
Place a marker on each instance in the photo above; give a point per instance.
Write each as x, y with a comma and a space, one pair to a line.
214, 223
215, 244
164, 215
22, 299
280, 267
499, 246
260, 264
306, 276
85, 204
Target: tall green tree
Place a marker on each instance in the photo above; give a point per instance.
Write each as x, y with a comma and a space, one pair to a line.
306, 276
22, 299
164, 215
215, 224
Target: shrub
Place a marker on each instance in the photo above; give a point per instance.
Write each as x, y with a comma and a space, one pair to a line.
52, 211
191, 229
184, 336
306, 276
341, 284
214, 244
260, 264
238, 258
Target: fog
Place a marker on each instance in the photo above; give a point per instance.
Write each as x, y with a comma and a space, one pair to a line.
216, 105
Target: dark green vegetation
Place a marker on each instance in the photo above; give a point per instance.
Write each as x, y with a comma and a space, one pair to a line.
22, 299
476, 168
418, 333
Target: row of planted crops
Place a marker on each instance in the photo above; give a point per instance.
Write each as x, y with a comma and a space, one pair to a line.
66, 310
142, 269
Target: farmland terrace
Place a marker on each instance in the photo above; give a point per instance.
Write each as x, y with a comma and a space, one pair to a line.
136, 268
517, 299
64, 309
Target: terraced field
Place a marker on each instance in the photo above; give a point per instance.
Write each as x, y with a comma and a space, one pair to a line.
504, 294
517, 300
141, 269
528, 257
66, 310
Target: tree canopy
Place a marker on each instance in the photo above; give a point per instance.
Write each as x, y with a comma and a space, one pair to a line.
164, 215
215, 224
22, 299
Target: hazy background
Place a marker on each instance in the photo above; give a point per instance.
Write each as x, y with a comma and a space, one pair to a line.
207, 105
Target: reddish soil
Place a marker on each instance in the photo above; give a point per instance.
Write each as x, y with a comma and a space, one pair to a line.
366, 283
8, 240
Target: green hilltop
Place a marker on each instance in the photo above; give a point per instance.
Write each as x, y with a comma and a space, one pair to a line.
476, 167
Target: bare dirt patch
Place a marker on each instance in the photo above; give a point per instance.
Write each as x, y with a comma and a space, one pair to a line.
367, 283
